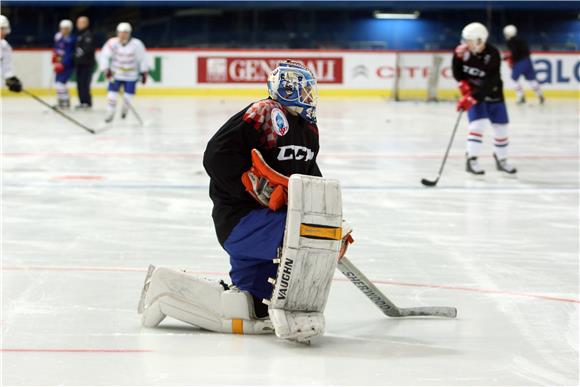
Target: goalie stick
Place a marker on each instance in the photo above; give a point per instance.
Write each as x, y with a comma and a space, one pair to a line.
382, 302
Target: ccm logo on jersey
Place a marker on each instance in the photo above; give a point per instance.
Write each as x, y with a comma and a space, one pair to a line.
295, 152
473, 71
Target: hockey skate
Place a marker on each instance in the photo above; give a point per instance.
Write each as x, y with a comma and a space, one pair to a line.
472, 166
109, 117
542, 99
83, 106
63, 104
503, 165
521, 100
124, 112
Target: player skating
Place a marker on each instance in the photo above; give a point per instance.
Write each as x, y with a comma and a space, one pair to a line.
124, 63
521, 64
476, 66
63, 61
248, 160
11, 81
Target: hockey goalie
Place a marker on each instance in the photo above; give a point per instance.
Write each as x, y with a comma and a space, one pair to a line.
276, 217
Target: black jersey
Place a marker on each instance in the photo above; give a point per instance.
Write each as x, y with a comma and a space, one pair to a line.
288, 143
482, 71
518, 48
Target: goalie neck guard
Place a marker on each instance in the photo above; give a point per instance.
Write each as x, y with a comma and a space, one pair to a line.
295, 87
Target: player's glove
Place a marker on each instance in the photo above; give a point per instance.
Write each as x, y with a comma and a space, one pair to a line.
466, 102
58, 67
267, 186
144, 77
509, 60
464, 88
108, 74
14, 84
462, 52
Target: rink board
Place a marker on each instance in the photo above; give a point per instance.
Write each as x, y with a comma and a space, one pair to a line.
194, 72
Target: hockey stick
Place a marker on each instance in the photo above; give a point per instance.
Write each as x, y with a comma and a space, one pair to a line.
432, 183
382, 302
56, 110
133, 110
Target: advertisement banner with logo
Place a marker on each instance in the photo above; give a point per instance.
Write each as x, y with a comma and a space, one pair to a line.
190, 71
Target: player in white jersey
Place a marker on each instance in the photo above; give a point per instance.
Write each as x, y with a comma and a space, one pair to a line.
12, 82
123, 61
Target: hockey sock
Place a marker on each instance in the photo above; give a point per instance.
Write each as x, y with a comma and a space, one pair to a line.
128, 98
536, 87
61, 92
475, 137
111, 101
500, 140
519, 90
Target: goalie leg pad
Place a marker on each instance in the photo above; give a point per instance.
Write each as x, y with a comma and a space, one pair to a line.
309, 253
198, 302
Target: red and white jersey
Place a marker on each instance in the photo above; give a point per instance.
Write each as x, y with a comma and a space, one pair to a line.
125, 61
6, 59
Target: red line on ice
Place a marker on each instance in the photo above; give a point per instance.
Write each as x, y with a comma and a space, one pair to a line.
78, 177
215, 273
77, 350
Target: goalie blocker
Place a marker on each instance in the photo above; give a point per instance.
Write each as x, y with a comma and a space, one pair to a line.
306, 266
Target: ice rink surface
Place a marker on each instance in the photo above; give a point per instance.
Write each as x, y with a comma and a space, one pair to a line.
84, 215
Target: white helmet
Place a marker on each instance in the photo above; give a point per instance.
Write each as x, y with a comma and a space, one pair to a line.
510, 31
66, 24
5, 23
124, 27
475, 33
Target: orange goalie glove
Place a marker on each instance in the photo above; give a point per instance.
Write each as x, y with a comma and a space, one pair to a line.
267, 186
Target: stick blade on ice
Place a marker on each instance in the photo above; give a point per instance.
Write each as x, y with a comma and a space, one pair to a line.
429, 183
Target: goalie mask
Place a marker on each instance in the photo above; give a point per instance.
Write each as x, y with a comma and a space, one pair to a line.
294, 86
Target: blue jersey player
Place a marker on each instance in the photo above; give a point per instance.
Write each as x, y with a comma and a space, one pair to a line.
521, 64
62, 59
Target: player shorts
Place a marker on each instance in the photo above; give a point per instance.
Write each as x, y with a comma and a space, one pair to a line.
252, 245
496, 112
64, 76
523, 67
129, 86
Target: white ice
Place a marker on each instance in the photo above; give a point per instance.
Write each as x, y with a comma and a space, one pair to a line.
83, 216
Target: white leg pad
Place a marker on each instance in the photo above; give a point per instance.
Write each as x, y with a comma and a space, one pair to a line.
198, 302
308, 260
299, 326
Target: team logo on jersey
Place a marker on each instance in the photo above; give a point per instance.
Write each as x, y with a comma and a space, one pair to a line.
473, 71
295, 152
279, 122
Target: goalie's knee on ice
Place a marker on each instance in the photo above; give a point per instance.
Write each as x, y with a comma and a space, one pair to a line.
252, 246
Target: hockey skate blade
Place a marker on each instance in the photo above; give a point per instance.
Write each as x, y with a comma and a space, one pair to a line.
435, 311
429, 183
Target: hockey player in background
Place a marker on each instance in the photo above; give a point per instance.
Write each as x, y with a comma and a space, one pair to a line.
124, 63
248, 161
11, 81
476, 66
521, 64
63, 61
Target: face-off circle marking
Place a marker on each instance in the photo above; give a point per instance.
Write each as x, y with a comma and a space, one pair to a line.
279, 122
